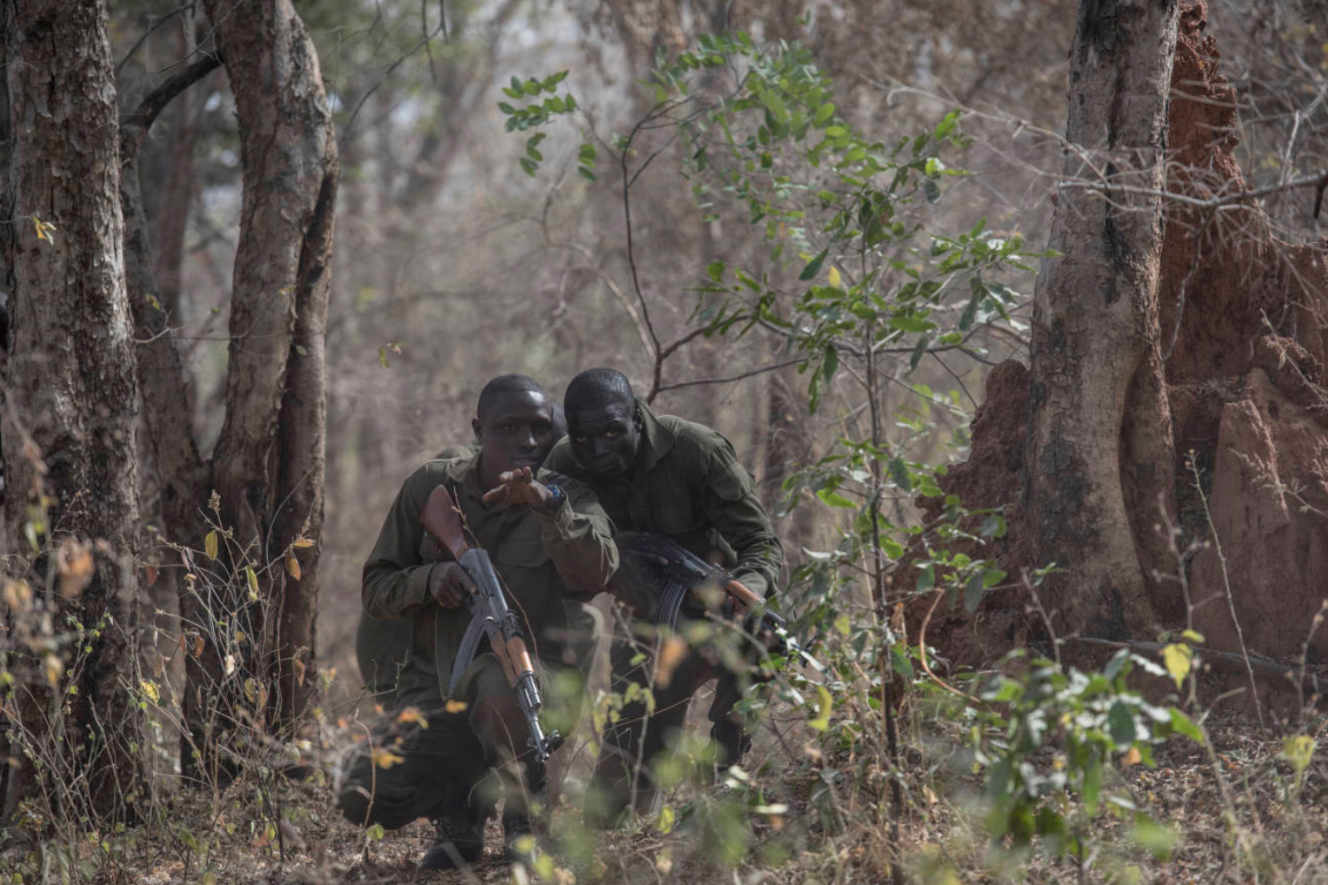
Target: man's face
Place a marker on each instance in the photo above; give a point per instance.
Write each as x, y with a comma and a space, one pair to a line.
605, 436
516, 432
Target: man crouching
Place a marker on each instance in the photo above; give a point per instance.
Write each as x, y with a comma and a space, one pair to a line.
548, 538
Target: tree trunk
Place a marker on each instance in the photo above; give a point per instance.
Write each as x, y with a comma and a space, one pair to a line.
269, 462
70, 424
1101, 432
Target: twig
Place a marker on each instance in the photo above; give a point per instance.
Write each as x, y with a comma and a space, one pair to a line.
957, 379
155, 101
355, 112
1226, 585
1219, 202
739, 377
149, 32
922, 652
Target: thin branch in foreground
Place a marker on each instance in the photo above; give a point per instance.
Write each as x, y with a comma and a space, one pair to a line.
730, 378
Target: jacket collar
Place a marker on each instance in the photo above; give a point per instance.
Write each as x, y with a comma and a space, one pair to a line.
658, 439
465, 474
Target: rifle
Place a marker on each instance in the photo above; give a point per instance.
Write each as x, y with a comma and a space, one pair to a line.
490, 616
670, 572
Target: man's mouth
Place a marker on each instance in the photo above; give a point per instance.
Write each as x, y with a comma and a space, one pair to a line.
607, 466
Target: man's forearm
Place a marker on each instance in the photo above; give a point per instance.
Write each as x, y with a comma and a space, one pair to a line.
581, 548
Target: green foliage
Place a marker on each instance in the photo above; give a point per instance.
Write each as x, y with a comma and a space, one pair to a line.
1047, 742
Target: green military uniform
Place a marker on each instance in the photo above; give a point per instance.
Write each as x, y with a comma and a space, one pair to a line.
383, 645
686, 483
540, 559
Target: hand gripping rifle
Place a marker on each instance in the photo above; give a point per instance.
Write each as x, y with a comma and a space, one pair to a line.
657, 574
490, 616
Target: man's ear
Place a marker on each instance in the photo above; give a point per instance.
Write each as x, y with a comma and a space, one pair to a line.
475, 428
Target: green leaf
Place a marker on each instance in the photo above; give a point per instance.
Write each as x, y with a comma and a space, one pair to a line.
946, 126
1192, 636
899, 473
1298, 750
506, 108
1157, 839
528, 165
1183, 724
1092, 784
991, 577
970, 313
919, 350
973, 593
834, 499
813, 267
823, 114
836, 132
1177, 658
900, 663
824, 704
775, 105
926, 578
1120, 719
830, 364
932, 191
715, 270
993, 526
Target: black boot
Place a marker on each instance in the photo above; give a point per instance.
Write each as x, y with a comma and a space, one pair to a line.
519, 843
458, 841
733, 741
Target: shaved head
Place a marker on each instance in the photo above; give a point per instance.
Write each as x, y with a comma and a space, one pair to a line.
603, 422
501, 385
597, 387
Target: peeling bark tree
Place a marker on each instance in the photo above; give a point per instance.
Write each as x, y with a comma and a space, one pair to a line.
268, 465
1099, 415
72, 403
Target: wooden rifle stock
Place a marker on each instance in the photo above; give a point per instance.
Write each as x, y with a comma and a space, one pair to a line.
441, 518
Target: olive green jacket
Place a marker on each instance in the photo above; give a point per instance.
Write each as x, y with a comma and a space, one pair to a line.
541, 558
687, 484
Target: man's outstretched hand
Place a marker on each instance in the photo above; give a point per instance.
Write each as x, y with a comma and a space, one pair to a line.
518, 488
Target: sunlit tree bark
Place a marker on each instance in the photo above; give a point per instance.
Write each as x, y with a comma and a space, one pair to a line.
71, 407
1101, 428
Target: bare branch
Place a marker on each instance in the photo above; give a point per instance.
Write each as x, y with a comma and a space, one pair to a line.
731, 378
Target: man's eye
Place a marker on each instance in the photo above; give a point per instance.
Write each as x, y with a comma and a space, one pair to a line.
580, 439
612, 434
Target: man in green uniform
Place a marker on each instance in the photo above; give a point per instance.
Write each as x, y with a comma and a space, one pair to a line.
674, 477
382, 645
547, 538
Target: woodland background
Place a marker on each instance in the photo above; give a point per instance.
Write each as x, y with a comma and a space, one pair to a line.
236, 481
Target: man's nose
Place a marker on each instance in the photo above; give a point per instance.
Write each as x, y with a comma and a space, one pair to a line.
599, 446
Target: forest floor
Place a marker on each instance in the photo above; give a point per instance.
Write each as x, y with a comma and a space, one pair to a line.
1240, 814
